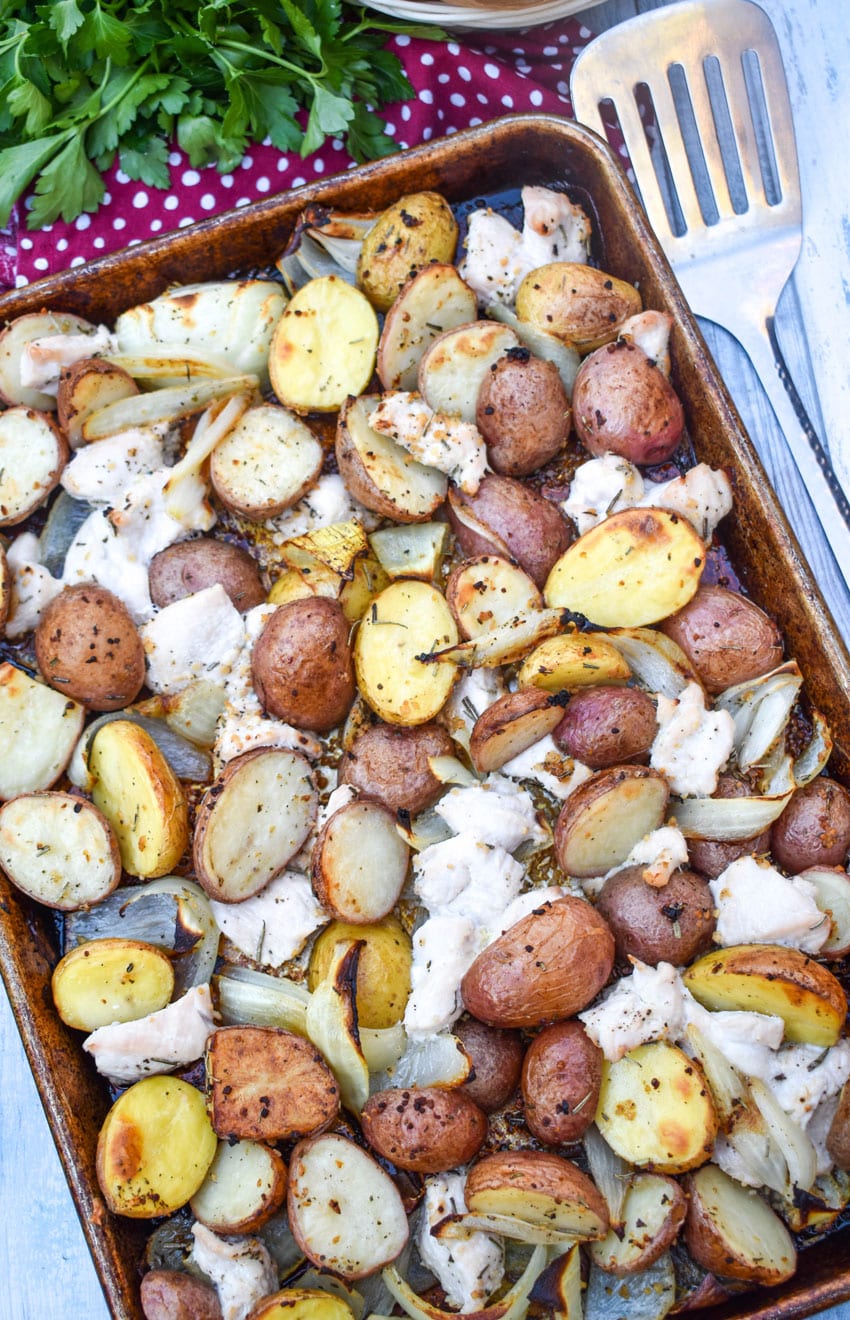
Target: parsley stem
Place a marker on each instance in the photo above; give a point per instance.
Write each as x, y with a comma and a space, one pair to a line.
314, 78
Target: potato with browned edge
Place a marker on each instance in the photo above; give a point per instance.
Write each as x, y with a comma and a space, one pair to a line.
624, 404
89, 649
507, 518
673, 923
417, 229
607, 725
425, 1129
522, 412
189, 566
726, 637
391, 764
496, 1057
814, 829
711, 856
561, 1077
838, 1136
383, 969
175, 1295
302, 667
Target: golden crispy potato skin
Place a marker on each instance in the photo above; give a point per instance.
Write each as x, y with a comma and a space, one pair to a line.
424, 1129
672, 924
623, 404
383, 968
173, 1295
390, 763
89, 649
814, 829
514, 520
655, 1109
189, 566
561, 1077
141, 797
581, 305
605, 726
548, 966
733, 1232
416, 230
267, 1084
523, 413
496, 1056
726, 637
302, 667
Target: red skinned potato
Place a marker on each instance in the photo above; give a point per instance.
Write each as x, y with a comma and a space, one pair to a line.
189, 566
89, 649
506, 518
523, 413
814, 829
33, 452
733, 1232
541, 1189
561, 1077
624, 404
424, 1129
606, 816
673, 923
496, 1057
175, 1295
548, 966
711, 856
726, 637
301, 665
605, 726
390, 763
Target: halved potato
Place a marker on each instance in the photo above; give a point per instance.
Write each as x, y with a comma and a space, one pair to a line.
267, 1084
244, 1186
360, 863
573, 660
408, 619
111, 980
581, 305
768, 978
39, 729
538, 1188
33, 453
653, 1212
380, 473
606, 816
301, 1304
140, 796
154, 1148
732, 1231
636, 567
84, 388
416, 230
451, 371
382, 980
266, 462
14, 338
655, 1109
323, 347
344, 1210
488, 591
513, 723
252, 820
424, 1129
432, 301
59, 849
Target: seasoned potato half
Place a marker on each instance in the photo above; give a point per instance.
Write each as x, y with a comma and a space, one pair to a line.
88, 647
383, 969
507, 518
732, 1231
15, 337
549, 965
606, 725
111, 980
140, 796
267, 1084
561, 1077
244, 1186
39, 729
512, 724
189, 566
768, 978
488, 591
301, 1304
265, 463
323, 347
571, 661
302, 667
726, 637
496, 1058
379, 473
523, 412
606, 816
154, 1148
391, 762
580, 305
456, 364
814, 829
58, 849
84, 388
424, 1129
407, 620
540, 1189
416, 230
673, 923
624, 404
653, 1213
433, 300
33, 453
636, 567
174, 1295
236, 852
360, 863
344, 1210
655, 1109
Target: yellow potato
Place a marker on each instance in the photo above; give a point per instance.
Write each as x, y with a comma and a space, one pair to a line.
573, 660
302, 1304
111, 980
410, 234
578, 304
407, 620
141, 797
154, 1148
324, 346
383, 972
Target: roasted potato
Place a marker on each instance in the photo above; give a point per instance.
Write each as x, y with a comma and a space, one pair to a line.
416, 230
624, 404
523, 413
302, 1304
548, 966
539, 1188
561, 1077
653, 1212
655, 1109
380, 473
406, 621
301, 665
383, 968
488, 591
673, 923
88, 648
84, 388
58, 849
39, 729
814, 829
424, 1129
111, 980
604, 726
507, 518
323, 347
33, 453
175, 1295
606, 816
391, 764
732, 1231
267, 1084
189, 566
711, 856
573, 660
838, 1137
244, 1186
512, 724
140, 796
266, 462
433, 300
455, 365
14, 339
496, 1056
580, 305
726, 637
359, 863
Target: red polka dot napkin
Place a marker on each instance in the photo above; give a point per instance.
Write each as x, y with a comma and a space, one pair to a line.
457, 85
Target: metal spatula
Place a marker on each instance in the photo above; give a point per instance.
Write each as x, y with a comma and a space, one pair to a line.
699, 92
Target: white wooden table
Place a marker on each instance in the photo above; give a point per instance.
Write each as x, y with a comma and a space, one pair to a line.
45, 1268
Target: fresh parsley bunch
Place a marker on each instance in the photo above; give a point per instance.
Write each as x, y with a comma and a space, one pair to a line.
85, 81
